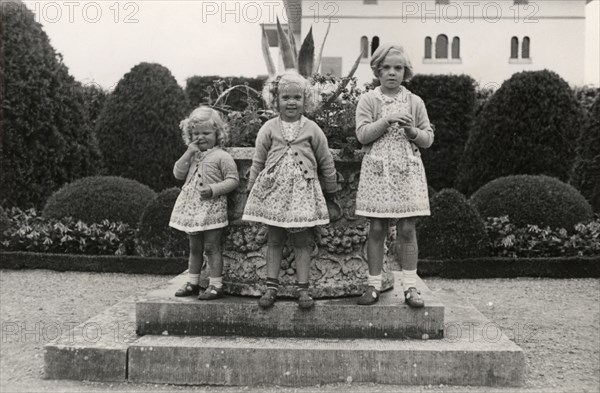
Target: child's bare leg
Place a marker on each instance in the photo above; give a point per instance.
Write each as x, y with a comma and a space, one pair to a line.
407, 250
212, 249
195, 260
303, 244
377, 233
275, 241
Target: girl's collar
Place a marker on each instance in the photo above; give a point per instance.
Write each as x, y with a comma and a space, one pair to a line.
302, 120
387, 99
202, 154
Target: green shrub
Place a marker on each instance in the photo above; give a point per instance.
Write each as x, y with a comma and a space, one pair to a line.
46, 138
155, 237
205, 89
526, 128
138, 128
508, 240
97, 198
454, 229
585, 175
536, 200
451, 101
30, 232
587, 96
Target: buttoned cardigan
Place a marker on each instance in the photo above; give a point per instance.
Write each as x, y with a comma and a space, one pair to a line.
310, 151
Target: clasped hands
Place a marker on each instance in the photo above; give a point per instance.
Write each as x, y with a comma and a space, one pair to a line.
404, 120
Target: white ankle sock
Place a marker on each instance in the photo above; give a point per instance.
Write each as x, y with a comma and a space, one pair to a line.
216, 282
409, 279
194, 278
374, 281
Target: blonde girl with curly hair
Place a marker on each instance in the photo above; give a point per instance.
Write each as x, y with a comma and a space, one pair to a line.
210, 174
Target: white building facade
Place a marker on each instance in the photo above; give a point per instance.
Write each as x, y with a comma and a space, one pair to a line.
488, 40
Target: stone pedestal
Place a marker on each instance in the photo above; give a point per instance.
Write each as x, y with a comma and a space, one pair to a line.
339, 259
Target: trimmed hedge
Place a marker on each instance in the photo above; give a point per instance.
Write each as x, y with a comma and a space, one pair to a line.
536, 200
154, 236
585, 174
454, 229
572, 267
451, 102
92, 263
138, 128
46, 137
525, 128
97, 198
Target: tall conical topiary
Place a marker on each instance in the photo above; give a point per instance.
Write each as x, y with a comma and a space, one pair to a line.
529, 126
46, 138
585, 175
138, 128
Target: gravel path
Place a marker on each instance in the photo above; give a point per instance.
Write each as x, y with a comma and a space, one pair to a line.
556, 322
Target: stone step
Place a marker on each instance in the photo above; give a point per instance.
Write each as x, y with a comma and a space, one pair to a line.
473, 352
160, 312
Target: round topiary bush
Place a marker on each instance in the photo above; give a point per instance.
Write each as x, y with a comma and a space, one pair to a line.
454, 229
47, 139
535, 200
585, 175
138, 127
97, 198
526, 128
155, 237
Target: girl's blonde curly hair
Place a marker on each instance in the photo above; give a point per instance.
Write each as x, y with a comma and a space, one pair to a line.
201, 117
294, 79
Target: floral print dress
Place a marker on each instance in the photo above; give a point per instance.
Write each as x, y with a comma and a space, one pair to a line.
282, 197
191, 213
392, 177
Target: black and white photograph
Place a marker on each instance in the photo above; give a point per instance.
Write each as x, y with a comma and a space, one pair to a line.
300, 196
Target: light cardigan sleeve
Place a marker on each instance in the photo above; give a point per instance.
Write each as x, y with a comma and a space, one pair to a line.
230, 175
324, 160
181, 167
424, 138
367, 129
263, 145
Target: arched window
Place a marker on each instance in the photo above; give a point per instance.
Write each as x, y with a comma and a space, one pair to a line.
364, 47
428, 43
525, 48
456, 48
441, 47
514, 48
374, 44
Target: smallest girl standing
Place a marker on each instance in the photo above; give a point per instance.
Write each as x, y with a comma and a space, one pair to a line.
201, 208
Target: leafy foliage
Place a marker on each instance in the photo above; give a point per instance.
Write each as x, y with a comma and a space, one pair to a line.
97, 198
532, 200
510, 240
47, 139
528, 127
138, 128
154, 236
454, 230
27, 231
451, 102
585, 174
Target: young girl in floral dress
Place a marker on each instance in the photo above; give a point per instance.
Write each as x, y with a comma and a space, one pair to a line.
392, 124
201, 208
291, 153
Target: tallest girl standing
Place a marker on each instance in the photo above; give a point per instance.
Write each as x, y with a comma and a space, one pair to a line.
391, 124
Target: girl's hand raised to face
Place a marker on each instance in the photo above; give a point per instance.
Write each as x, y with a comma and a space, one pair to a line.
402, 118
